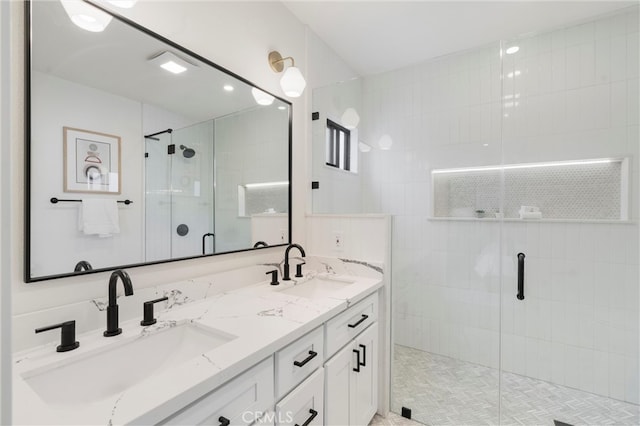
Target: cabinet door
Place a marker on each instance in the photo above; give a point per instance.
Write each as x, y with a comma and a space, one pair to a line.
337, 385
364, 383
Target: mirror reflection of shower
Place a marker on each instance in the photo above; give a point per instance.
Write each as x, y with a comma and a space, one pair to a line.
187, 152
179, 191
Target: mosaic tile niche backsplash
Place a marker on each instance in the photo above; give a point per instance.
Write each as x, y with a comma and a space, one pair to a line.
577, 191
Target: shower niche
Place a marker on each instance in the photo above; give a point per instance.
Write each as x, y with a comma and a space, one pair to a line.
581, 190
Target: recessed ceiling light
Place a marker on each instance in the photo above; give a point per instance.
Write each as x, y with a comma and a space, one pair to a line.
171, 62
173, 67
228, 88
513, 49
282, 107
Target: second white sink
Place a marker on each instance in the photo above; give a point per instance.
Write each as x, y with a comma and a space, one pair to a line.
105, 372
317, 287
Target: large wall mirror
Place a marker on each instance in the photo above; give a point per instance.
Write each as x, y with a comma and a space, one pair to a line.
130, 163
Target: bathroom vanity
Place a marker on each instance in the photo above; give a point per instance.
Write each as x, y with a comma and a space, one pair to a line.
303, 352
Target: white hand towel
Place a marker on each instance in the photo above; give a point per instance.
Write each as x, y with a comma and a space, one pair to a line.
99, 217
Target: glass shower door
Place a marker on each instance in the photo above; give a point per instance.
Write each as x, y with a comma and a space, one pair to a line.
446, 237
569, 320
193, 191
157, 197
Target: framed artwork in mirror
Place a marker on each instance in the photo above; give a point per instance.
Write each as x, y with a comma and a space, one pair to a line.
91, 161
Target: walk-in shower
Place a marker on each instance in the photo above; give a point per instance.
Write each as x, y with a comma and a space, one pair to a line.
513, 186
523, 306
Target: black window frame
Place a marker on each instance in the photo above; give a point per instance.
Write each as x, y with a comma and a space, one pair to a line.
333, 145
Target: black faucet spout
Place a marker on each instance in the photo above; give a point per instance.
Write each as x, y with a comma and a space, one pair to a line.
286, 276
112, 307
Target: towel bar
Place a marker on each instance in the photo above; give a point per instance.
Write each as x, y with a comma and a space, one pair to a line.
55, 200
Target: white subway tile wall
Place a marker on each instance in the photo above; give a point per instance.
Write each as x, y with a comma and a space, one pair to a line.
572, 94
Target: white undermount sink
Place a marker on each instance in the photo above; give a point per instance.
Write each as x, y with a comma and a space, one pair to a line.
108, 371
319, 286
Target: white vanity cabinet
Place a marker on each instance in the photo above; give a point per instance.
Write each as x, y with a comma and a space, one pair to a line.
238, 402
296, 387
351, 375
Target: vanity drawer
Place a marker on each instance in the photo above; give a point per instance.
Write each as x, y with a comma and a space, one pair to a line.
347, 325
239, 401
305, 405
297, 361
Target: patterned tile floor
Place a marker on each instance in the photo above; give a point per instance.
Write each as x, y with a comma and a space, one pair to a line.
392, 420
445, 391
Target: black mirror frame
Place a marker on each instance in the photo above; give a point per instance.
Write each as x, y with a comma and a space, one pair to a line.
27, 156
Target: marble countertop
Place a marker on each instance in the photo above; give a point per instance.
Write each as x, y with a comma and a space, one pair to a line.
262, 318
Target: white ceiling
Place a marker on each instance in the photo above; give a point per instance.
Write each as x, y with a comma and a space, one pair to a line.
378, 36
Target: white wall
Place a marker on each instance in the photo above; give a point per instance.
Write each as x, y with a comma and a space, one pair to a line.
577, 99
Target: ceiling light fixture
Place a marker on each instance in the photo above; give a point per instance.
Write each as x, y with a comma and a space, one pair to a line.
228, 88
86, 16
171, 62
292, 81
261, 98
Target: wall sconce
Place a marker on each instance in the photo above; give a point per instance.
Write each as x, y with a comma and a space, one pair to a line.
86, 16
350, 118
261, 98
385, 142
364, 147
292, 81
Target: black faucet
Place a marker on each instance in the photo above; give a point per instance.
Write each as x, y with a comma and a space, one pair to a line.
83, 265
286, 276
112, 308
260, 243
